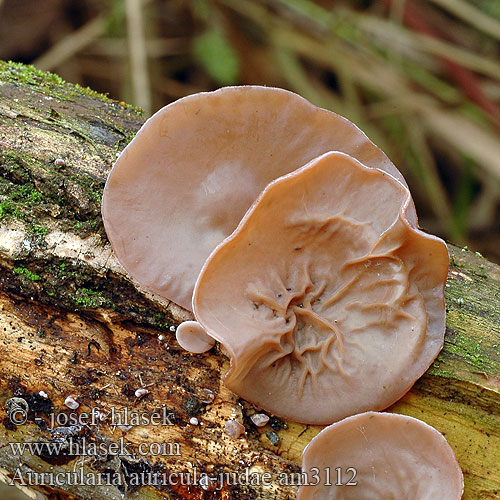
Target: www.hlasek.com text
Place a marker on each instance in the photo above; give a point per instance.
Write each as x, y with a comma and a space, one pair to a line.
81, 447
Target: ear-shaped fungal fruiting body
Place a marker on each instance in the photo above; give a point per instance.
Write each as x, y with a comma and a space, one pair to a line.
188, 177
380, 456
192, 337
328, 301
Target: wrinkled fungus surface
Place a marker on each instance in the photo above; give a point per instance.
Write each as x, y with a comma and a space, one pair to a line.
188, 177
327, 299
380, 456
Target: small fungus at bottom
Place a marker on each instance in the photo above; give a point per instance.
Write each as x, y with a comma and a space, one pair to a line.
380, 456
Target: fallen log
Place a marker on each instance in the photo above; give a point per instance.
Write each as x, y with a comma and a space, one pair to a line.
89, 360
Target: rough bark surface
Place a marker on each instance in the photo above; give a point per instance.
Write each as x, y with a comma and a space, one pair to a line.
72, 323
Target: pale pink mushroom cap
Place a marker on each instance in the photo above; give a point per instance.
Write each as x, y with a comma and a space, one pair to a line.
192, 337
327, 300
188, 177
388, 456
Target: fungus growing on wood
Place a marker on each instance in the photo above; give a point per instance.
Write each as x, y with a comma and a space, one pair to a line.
234, 428
259, 419
380, 456
188, 177
328, 301
192, 337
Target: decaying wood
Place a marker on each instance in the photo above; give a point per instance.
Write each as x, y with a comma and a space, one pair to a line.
72, 323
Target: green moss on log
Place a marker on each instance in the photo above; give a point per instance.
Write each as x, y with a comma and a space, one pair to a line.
26, 273
472, 341
50, 83
73, 198
78, 287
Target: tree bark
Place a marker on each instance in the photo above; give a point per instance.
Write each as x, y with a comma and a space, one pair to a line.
73, 324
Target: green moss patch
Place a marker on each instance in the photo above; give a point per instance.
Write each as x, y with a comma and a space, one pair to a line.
25, 272
31, 190
51, 84
89, 298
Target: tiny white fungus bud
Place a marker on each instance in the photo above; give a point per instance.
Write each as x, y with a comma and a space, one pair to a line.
234, 429
44, 394
207, 396
71, 403
193, 421
259, 419
141, 392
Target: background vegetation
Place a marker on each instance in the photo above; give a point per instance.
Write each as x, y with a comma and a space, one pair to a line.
420, 77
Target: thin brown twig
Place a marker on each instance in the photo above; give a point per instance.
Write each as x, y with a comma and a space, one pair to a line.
415, 18
472, 16
71, 44
138, 55
159, 47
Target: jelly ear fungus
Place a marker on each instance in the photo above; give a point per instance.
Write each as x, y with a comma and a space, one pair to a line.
380, 456
188, 177
327, 299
